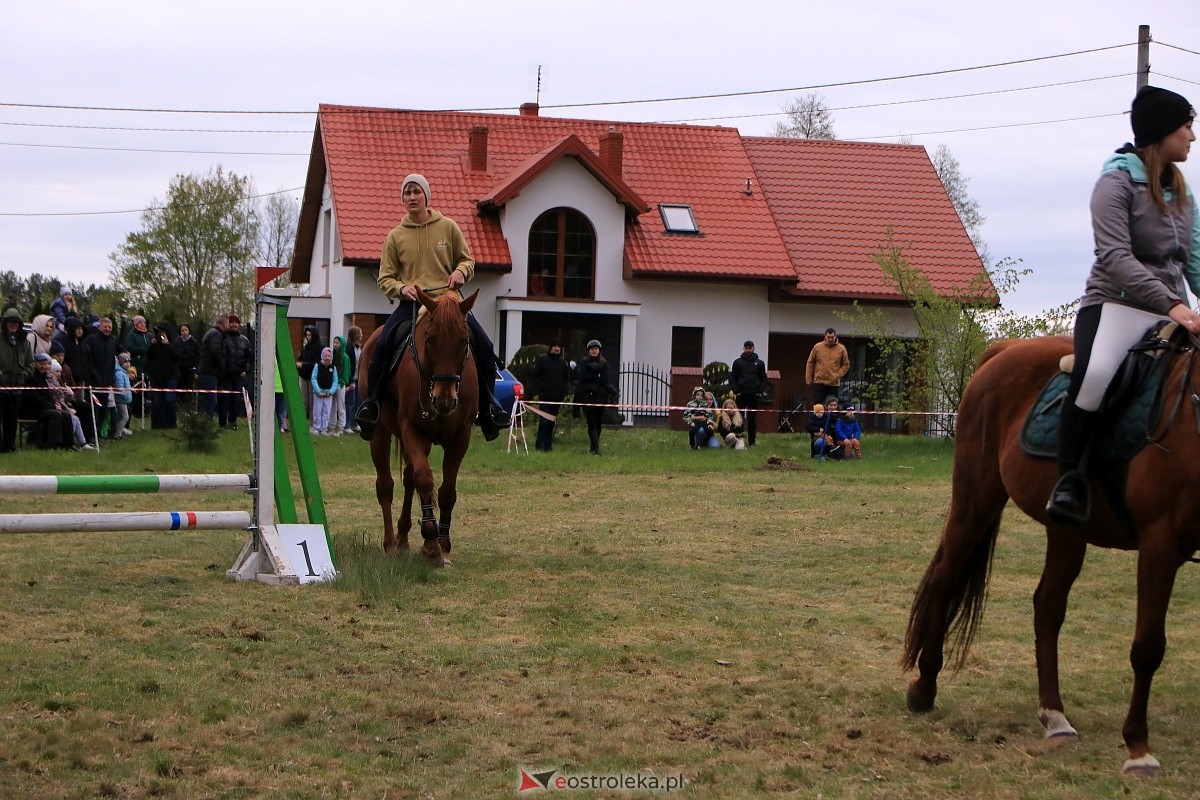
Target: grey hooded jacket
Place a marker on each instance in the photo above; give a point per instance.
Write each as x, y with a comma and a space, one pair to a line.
1144, 258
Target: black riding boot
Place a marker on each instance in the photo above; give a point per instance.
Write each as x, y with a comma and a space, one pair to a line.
1071, 500
492, 417
367, 416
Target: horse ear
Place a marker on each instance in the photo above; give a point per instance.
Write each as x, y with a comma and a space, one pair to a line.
469, 303
425, 299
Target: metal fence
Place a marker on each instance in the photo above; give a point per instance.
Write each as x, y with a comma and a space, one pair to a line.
938, 421
645, 385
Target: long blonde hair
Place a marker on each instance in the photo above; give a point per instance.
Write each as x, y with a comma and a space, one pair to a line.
734, 419
1158, 168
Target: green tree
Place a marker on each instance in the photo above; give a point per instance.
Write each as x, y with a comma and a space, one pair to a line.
928, 372
807, 118
194, 256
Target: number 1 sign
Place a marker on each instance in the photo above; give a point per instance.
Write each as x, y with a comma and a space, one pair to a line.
307, 552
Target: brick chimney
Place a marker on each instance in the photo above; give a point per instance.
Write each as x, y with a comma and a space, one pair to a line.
612, 147
477, 148
529, 109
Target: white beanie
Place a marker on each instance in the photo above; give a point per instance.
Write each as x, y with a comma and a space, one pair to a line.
419, 180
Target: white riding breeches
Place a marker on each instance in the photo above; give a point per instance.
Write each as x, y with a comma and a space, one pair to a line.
1120, 328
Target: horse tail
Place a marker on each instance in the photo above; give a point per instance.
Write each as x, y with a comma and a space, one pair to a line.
952, 600
951, 596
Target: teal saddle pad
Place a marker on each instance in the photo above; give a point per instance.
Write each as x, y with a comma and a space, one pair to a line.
1124, 424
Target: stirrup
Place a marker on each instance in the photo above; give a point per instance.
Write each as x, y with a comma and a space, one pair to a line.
1071, 499
368, 413
500, 417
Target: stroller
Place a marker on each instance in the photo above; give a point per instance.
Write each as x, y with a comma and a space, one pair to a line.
786, 424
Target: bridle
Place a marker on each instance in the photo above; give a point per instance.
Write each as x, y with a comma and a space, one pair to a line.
426, 400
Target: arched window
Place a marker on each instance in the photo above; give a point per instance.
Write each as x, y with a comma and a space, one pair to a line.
562, 255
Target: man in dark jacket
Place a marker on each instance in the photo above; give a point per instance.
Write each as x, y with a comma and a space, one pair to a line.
237, 371
16, 368
100, 362
748, 377
210, 370
551, 379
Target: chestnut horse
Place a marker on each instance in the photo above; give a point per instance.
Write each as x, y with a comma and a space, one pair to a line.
433, 400
990, 467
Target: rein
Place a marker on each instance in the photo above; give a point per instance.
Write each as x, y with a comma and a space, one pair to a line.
426, 401
1181, 345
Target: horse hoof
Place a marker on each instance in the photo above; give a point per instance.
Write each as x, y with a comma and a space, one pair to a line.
916, 701
1145, 767
1056, 725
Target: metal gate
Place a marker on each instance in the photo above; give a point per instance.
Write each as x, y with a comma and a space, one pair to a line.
645, 393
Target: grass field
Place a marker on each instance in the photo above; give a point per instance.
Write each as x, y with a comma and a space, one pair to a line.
652, 612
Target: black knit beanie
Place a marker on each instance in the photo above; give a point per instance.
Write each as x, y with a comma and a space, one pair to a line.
1156, 113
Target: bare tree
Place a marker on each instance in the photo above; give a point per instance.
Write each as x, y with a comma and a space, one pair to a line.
807, 118
278, 217
967, 207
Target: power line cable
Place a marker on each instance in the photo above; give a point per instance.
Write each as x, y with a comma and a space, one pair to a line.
985, 128
645, 101
1177, 47
1181, 80
146, 150
909, 102
838, 84
307, 131
131, 210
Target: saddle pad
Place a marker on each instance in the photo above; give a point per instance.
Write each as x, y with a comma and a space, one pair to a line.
1039, 435
1122, 431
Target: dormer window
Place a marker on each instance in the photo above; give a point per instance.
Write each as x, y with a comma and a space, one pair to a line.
678, 218
562, 255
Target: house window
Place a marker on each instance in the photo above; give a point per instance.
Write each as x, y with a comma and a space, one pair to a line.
678, 218
687, 347
562, 255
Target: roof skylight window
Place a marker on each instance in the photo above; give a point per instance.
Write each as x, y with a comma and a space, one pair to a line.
678, 218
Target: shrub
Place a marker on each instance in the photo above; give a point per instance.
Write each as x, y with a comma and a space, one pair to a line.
197, 429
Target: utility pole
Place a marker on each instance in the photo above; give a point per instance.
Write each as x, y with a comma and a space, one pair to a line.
1143, 56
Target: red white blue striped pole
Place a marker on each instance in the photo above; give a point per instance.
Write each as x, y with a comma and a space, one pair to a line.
126, 521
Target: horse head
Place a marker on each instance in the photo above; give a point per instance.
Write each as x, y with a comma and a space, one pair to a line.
442, 347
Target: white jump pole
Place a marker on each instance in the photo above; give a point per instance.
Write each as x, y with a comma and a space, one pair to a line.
125, 521
123, 484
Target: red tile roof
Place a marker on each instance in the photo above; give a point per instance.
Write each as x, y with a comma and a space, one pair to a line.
834, 202
816, 212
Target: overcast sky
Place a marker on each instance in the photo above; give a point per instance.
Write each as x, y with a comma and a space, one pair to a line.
1031, 154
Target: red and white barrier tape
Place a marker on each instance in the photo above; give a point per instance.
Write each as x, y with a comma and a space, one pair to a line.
643, 407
